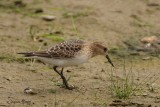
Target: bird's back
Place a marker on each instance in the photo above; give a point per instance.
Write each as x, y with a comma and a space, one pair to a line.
66, 49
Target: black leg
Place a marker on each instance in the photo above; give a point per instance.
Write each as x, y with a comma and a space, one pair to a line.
65, 83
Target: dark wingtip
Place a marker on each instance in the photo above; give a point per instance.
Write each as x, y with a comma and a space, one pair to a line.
39, 54
26, 54
20, 53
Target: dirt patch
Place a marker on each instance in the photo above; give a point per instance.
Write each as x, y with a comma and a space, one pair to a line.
22, 28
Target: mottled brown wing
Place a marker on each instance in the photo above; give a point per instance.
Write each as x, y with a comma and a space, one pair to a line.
63, 50
66, 49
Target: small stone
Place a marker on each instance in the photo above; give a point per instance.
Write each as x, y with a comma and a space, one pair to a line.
146, 58
7, 78
48, 18
144, 94
40, 40
148, 45
39, 10
19, 3
68, 71
29, 91
153, 87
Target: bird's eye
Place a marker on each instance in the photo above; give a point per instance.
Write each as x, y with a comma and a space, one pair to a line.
105, 49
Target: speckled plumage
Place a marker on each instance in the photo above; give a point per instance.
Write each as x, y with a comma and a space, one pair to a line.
66, 49
69, 53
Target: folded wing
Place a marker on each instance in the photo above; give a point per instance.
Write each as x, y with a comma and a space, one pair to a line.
63, 50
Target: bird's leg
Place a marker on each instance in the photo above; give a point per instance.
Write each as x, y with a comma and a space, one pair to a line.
65, 83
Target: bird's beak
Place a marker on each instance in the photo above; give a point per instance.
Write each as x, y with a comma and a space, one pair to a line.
109, 60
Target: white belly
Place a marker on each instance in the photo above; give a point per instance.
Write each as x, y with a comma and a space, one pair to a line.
64, 62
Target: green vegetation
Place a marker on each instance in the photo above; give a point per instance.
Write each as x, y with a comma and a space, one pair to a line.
33, 30
123, 90
35, 34
19, 7
53, 37
57, 83
123, 87
53, 91
73, 14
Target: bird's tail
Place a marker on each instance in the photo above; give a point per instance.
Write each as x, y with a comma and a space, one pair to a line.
39, 54
27, 54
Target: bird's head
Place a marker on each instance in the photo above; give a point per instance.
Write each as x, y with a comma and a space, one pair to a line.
100, 49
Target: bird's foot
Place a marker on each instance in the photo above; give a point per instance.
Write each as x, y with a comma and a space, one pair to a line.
70, 87
64, 80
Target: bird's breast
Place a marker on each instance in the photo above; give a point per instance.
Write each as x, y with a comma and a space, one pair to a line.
78, 59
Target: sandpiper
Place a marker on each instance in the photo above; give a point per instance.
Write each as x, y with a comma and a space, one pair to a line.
69, 53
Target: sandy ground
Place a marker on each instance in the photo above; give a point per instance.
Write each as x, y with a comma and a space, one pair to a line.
108, 21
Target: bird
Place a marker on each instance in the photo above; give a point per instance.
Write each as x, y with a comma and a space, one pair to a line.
69, 53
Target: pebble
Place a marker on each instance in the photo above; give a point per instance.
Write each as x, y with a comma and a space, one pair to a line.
39, 10
145, 94
29, 91
19, 3
146, 58
153, 87
48, 17
7, 78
